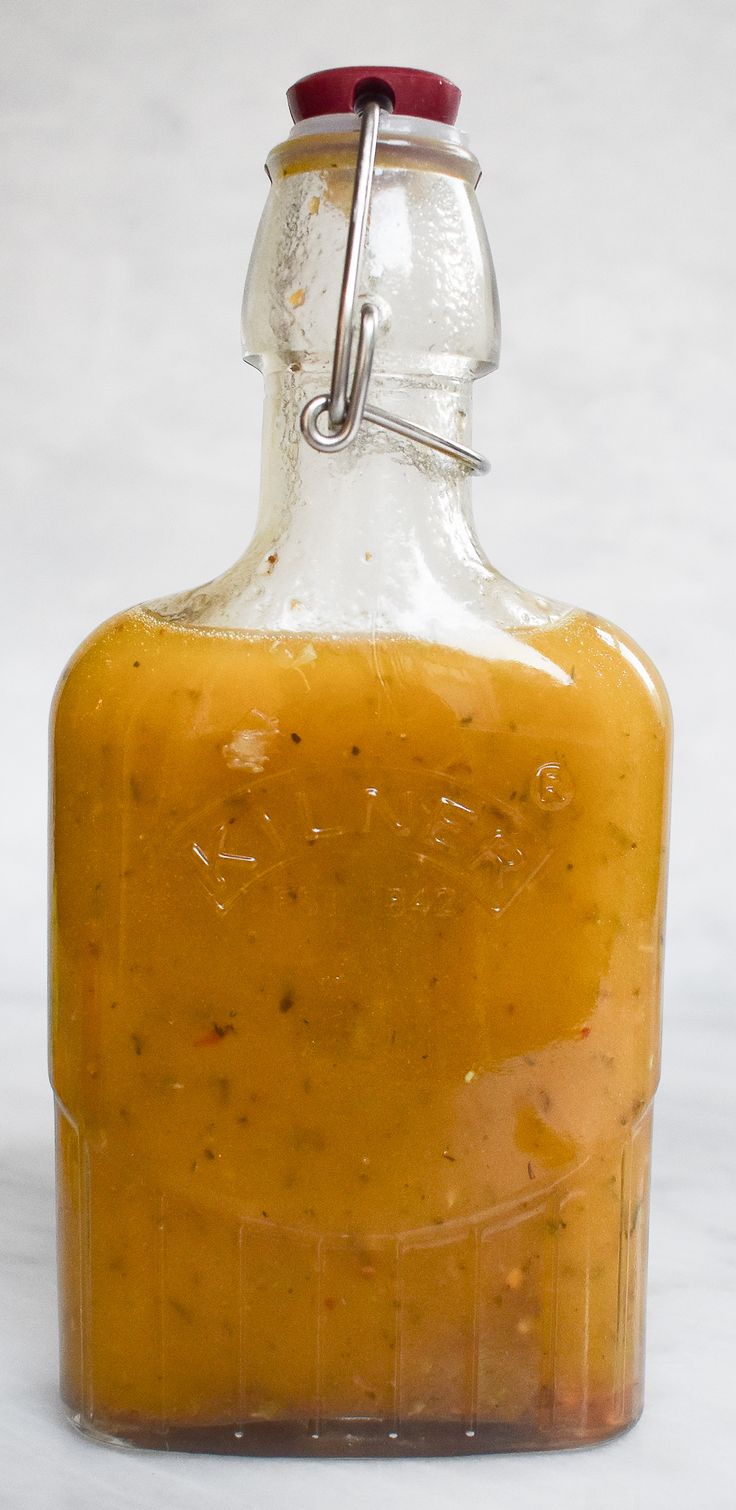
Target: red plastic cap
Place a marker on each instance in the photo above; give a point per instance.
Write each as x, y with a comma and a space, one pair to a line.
411, 91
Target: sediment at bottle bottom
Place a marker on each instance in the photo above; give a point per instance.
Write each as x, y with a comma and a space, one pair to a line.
357, 1437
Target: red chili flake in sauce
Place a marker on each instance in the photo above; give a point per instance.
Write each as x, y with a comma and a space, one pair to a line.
215, 1035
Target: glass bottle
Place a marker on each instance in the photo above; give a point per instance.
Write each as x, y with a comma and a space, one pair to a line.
357, 910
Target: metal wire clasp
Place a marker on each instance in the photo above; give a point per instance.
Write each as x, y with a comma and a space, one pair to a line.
346, 404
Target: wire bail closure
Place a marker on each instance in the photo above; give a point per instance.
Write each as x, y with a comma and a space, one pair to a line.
346, 404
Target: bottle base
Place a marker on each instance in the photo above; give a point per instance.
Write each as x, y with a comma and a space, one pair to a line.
351, 1436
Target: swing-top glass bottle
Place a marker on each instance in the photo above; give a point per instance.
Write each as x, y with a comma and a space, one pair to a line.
357, 903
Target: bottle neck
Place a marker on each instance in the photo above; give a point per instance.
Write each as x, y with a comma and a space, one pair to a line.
360, 536
369, 529
378, 538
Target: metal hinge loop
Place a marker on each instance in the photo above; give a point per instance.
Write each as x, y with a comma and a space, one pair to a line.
346, 405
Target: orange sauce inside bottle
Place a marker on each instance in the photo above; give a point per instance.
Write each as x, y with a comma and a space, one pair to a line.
355, 1034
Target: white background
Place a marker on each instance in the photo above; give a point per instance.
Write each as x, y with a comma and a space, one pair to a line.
132, 182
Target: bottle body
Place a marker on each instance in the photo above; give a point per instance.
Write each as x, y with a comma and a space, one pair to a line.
356, 1037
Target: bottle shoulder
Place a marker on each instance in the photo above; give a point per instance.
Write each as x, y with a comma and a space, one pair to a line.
105, 656
612, 680
456, 599
465, 605
614, 658
599, 669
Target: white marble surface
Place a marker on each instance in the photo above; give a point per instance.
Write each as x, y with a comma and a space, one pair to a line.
679, 1457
